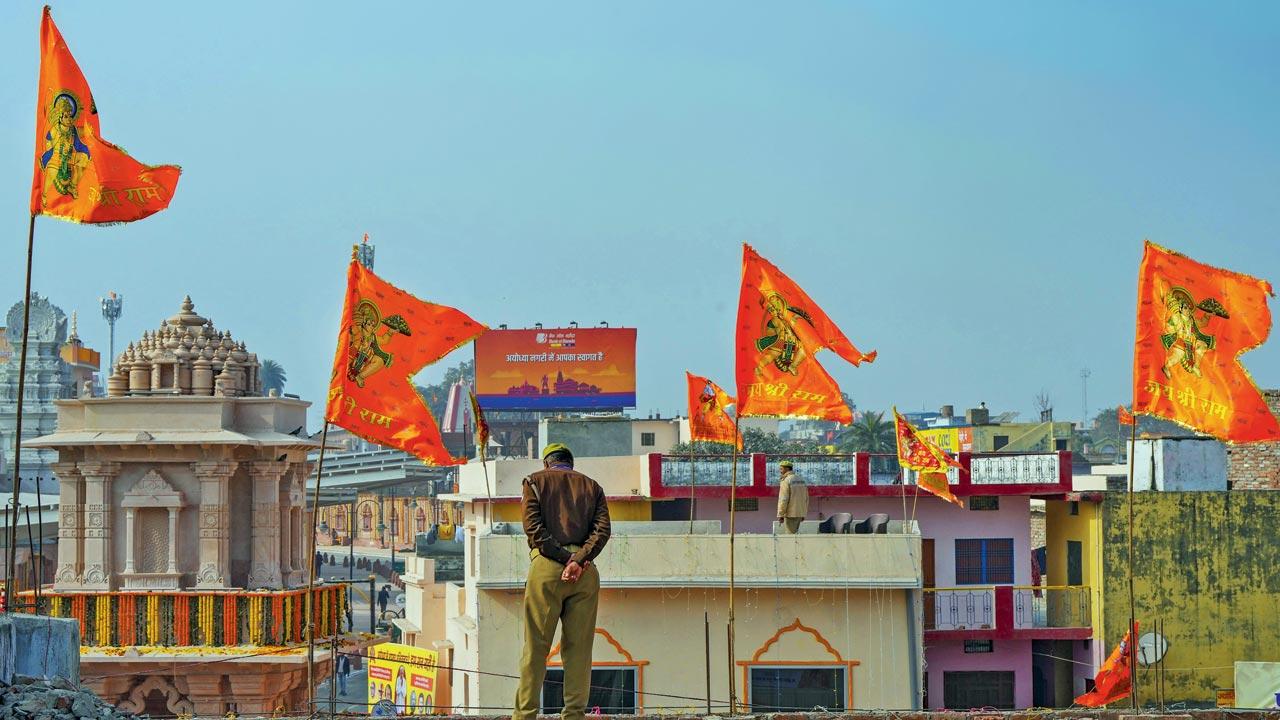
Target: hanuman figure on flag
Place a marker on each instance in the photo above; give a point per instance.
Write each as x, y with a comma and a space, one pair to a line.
369, 333
65, 155
1185, 343
780, 342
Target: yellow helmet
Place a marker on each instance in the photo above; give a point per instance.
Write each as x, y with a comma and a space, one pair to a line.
554, 447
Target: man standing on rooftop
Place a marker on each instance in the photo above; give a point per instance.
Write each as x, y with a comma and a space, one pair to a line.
793, 498
566, 520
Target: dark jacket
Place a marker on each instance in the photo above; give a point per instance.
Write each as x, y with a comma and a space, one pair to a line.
563, 507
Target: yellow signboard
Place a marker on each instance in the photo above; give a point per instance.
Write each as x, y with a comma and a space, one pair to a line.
403, 677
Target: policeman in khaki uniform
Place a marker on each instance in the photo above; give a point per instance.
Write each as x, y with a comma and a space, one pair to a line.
566, 520
793, 498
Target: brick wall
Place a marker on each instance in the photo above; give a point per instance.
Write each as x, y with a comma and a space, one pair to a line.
1256, 466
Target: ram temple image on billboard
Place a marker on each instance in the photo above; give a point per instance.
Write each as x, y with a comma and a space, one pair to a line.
556, 369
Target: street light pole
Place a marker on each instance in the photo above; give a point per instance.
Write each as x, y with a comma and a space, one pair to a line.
112, 307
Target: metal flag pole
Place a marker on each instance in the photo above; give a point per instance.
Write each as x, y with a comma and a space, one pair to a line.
1133, 655
39, 540
311, 578
733, 516
17, 435
693, 481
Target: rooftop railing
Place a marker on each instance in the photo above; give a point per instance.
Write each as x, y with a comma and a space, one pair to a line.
857, 474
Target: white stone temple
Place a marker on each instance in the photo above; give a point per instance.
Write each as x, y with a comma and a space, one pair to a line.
184, 476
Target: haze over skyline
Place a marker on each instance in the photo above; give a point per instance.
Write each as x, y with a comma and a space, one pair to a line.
964, 189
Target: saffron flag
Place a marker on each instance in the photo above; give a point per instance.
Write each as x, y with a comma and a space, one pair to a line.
1194, 321
778, 333
709, 419
79, 176
387, 336
927, 459
1114, 679
482, 425
1123, 416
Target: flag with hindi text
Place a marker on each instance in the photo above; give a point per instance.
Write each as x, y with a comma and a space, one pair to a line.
709, 419
1194, 321
928, 460
79, 176
386, 337
779, 331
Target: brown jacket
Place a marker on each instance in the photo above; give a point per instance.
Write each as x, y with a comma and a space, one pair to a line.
563, 507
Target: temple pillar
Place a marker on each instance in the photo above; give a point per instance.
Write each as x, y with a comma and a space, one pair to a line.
70, 525
215, 550
264, 571
98, 508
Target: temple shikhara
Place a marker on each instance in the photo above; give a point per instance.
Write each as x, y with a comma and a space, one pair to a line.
183, 525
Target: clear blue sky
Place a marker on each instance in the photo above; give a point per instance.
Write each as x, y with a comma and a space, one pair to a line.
963, 186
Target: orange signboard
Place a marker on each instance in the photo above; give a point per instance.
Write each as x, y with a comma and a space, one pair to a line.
556, 369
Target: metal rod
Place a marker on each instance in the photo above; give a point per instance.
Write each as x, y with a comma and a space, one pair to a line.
31, 546
351, 539
1133, 655
373, 581
333, 675
733, 517
706, 636
17, 435
39, 539
693, 481
311, 576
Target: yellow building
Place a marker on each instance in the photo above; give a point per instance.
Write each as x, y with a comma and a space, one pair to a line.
1073, 551
1002, 437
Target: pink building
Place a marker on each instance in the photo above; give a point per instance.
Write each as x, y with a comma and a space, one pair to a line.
993, 636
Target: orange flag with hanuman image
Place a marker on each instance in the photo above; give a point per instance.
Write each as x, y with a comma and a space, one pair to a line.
1194, 321
709, 419
387, 336
926, 458
779, 331
79, 176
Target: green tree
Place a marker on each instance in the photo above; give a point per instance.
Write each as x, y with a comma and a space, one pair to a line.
273, 377
871, 434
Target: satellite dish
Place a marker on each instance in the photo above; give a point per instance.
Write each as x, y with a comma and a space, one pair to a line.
1151, 648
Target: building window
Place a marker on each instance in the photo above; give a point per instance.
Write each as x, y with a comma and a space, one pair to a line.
648, 439
613, 690
979, 646
997, 443
366, 519
796, 689
978, 689
340, 519
421, 519
984, 502
984, 562
1075, 562
1060, 444
1074, 507
746, 504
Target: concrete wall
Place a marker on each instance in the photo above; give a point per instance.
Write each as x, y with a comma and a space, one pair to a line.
1208, 564
587, 437
619, 476
38, 646
666, 433
1008, 655
1180, 464
664, 629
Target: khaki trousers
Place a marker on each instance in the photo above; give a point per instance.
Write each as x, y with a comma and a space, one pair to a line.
792, 524
548, 600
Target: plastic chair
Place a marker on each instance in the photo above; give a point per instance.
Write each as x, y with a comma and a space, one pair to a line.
838, 523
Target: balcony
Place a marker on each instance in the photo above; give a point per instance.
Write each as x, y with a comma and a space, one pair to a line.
857, 474
701, 559
1010, 612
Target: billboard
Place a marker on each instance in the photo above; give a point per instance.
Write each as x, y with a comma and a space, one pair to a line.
556, 369
402, 677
